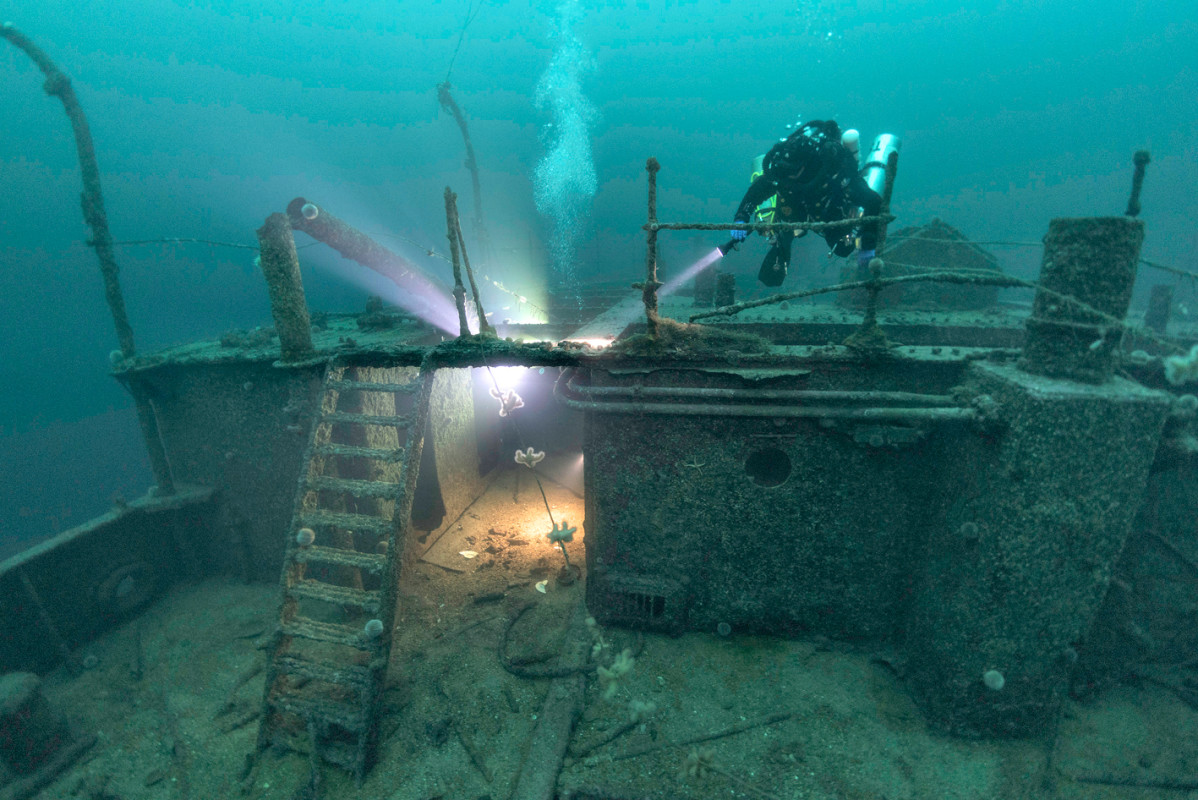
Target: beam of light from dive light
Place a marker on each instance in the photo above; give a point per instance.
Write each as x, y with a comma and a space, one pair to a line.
421, 298
672, 285
632, 308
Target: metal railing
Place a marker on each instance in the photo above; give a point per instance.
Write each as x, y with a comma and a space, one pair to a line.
875, 283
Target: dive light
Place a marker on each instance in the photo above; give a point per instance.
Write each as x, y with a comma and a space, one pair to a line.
727, 246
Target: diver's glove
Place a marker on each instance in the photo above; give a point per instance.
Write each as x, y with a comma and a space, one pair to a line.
739, 236
866, 256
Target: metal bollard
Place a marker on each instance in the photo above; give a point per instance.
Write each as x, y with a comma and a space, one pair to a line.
1160, 307
725, 289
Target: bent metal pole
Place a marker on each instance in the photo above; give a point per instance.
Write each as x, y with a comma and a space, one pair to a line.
58, 85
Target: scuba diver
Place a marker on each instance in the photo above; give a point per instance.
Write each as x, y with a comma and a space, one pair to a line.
810, 175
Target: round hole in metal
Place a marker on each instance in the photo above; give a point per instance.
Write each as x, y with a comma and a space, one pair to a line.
768, 466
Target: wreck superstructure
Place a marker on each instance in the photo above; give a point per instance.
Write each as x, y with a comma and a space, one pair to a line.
924, 474
957, 497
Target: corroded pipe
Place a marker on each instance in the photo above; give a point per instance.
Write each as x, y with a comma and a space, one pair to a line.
280, 265
575, 397
58, 85
317, 222
766, 395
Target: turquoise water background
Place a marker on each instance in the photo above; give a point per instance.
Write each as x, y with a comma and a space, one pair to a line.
209, 116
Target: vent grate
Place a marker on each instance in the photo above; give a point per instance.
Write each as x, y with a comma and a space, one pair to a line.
638, 601
638, 605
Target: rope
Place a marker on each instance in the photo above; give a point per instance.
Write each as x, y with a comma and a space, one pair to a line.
519, 297
766, 227
967, 242
1181, 272
471, 13
958, 271
213, 243
182, 240
999, 243
976, 277
945, 277
428, 251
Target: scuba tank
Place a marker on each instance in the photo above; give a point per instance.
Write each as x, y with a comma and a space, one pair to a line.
886, 146
874, 170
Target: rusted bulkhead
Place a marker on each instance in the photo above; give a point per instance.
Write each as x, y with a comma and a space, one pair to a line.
786, 500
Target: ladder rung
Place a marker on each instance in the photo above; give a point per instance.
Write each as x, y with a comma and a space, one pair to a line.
354, 487
352, 675
315, 554
370, 386
337, 595
320, 709
394, 421
349, 522
332, 633
377, 453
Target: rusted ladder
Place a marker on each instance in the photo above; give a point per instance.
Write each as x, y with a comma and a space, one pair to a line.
328, 661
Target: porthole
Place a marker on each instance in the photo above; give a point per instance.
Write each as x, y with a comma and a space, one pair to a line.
768, 466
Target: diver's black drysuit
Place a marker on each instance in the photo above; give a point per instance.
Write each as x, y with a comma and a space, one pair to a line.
828, 187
